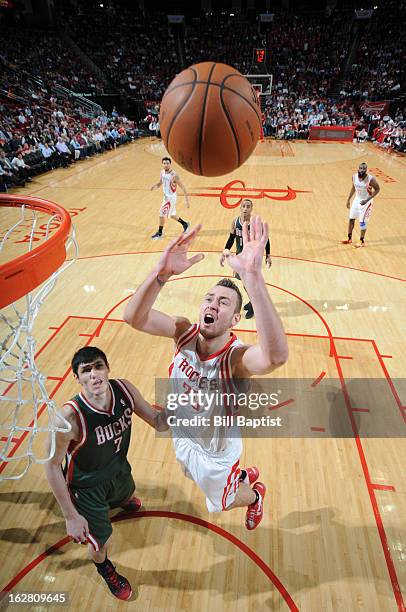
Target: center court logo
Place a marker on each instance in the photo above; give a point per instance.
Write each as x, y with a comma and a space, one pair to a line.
232, 194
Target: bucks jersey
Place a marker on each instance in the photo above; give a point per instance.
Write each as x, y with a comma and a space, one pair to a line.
101, 451
238, 235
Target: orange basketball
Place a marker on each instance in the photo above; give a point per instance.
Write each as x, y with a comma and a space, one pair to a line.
209, 118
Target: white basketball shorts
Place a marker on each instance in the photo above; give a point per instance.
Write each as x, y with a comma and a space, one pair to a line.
362, 213
168, 207
217, 476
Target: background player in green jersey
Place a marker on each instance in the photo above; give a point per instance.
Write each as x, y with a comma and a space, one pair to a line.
97, 475
246, 209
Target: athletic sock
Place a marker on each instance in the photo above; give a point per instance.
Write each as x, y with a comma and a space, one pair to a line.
257, 497
349, 236
183, 223
243, 475
161, 227
103, 565
362, 240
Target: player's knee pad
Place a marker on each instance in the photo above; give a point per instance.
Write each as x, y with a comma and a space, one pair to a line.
363, 224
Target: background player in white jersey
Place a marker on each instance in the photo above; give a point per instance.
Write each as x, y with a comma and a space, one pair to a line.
169, 180
365, 186
209, 352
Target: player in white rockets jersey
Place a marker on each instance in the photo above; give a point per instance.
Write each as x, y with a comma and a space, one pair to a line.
209, 356
169, 180
366, 187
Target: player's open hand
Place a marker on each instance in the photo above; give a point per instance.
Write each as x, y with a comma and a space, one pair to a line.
226, 253
249, 261
78, 529
174, 259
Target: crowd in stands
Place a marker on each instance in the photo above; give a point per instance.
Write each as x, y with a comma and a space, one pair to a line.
138, 54
378, 69
386, 132
36, 139
40, 131
45, 57
290, 117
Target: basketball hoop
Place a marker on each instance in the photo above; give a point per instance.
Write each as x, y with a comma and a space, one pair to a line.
262, 86
25, 281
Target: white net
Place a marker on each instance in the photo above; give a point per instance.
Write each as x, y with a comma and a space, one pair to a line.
28, 415
262, 84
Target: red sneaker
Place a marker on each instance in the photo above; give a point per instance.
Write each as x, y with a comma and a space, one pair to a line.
358, 245
133, 505
255, 511
118, 585
251, 475
348, 241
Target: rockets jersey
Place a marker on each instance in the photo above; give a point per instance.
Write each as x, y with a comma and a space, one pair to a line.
362, 188
211, 376
101, 451
168, 184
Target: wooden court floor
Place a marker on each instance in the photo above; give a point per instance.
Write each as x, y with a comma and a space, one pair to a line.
333, 536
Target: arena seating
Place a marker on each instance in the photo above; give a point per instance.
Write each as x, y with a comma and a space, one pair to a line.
138, 57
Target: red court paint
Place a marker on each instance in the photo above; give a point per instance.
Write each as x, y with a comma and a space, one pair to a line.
282, 404
318, 379
380, 487
322, 263
168, 515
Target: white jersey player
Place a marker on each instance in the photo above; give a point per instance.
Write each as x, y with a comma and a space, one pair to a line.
365, 187
169, 180
220, 444
209, 357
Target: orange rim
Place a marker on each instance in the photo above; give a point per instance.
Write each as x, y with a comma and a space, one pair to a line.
26, 272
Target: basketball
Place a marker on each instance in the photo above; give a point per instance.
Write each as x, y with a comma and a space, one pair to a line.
210, 120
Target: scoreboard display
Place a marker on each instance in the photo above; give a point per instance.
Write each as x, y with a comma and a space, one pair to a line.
260, 57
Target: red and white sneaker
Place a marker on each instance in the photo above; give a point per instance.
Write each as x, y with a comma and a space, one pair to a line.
133, 505
118, 585
251, 475
255, 512
358, 245
348, 241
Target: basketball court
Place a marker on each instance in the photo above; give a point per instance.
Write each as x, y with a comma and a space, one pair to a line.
332, 537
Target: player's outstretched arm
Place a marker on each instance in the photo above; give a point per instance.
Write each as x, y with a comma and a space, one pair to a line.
143, 409
271, 351
156, 185
230, 241
76, 524
174, 261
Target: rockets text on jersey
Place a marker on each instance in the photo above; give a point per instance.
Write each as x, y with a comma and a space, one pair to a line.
210, 385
